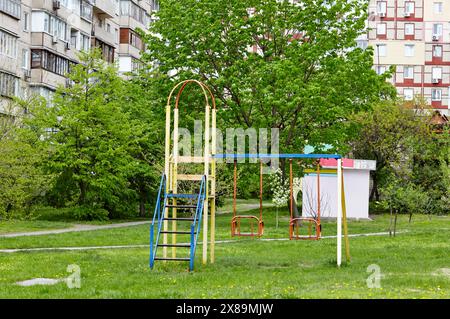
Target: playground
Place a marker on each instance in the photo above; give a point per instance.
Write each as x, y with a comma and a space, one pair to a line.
413, 264
243, 250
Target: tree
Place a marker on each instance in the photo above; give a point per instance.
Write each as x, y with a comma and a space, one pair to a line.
94, 139
272, 64
392, 134
22, 182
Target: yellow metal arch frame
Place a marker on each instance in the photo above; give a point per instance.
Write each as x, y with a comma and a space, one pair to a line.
172, 159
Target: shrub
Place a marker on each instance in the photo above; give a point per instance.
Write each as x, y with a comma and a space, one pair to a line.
89, 213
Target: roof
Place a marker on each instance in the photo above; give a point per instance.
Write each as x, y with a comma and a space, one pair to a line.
258, 155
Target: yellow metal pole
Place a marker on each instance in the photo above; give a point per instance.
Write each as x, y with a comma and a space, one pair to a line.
174, 182
206, 155
167, 173
213, 187
344, 220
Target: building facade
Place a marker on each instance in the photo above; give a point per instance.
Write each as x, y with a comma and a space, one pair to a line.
414, 36
40, 40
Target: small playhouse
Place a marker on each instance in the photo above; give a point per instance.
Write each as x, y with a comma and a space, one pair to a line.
357, 187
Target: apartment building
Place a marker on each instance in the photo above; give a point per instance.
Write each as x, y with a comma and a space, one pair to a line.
40, 40
413, 35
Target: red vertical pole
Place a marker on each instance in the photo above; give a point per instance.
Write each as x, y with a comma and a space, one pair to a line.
318, 199
291, 203
234, 187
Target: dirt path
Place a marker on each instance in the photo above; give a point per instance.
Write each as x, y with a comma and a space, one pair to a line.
37, 249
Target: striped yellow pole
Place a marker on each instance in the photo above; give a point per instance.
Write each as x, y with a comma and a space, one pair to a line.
344, 220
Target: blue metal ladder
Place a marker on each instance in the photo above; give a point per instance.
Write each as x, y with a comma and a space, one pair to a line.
162, 203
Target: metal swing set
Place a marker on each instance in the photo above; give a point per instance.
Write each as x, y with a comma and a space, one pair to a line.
169, 200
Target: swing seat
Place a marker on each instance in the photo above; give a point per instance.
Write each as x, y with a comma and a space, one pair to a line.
295, 225
236, 226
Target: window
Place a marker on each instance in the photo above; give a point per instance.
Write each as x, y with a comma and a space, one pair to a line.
49, 61
9, 85
409, 28
409, 7
129, 8
107, 50
86, 10
135, 64
408, 94
437, 73
58, 28
116, 34
136, 41
381, 7
74, 38
380, 69
437, 29
8, 44
408, 72
85, 42
25, 59
381, 29
117, 7
108, 28
438, 7
43, 22
436, 94
11, 7
437, 51
362, 44
26, 21
409, 50
381, 49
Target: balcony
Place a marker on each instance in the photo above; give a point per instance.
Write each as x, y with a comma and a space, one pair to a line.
128, 49
103, 35
104, 8
45, 40
41, 76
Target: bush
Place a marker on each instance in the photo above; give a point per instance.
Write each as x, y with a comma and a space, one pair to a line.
89, 213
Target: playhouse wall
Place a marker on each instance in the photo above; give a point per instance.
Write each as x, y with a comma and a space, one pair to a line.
356, 183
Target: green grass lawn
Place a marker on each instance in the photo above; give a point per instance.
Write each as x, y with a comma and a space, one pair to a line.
414, 264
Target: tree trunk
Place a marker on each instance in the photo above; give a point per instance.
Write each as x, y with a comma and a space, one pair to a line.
142, 206
410, 217
374, 187
83, 191
395, 222
390, 221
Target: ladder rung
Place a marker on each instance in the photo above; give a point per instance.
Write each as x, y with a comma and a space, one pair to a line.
175, 245
180, 218
172, 259
182, 206
176, 232
191, 159
182, 195
189, 177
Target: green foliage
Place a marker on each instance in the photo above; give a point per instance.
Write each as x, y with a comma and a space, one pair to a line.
305, 84
411, 159
89, 213
99, 147
22, 182
390, 135
407, 198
